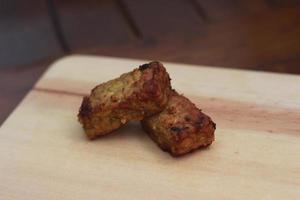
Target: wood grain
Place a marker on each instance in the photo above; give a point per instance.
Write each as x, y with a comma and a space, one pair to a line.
45, 155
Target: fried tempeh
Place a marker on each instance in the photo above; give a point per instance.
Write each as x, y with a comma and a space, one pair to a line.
181, 127
133, 96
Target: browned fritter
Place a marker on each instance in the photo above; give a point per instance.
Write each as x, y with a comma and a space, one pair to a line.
181, 127
133, 96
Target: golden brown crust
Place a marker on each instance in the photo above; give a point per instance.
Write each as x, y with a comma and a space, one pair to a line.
181, 127
133, 96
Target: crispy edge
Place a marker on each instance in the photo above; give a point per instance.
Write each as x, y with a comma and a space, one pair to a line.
208, 129
156, 89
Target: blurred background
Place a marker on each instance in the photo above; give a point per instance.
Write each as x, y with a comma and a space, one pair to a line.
247, 34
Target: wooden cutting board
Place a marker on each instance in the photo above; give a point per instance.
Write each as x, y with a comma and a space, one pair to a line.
44, 153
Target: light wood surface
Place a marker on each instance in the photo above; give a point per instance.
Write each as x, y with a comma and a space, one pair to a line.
44, 153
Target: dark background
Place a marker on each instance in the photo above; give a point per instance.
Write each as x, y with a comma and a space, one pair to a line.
247, 34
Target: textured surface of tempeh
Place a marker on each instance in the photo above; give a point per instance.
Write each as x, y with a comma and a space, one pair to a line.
133, 96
